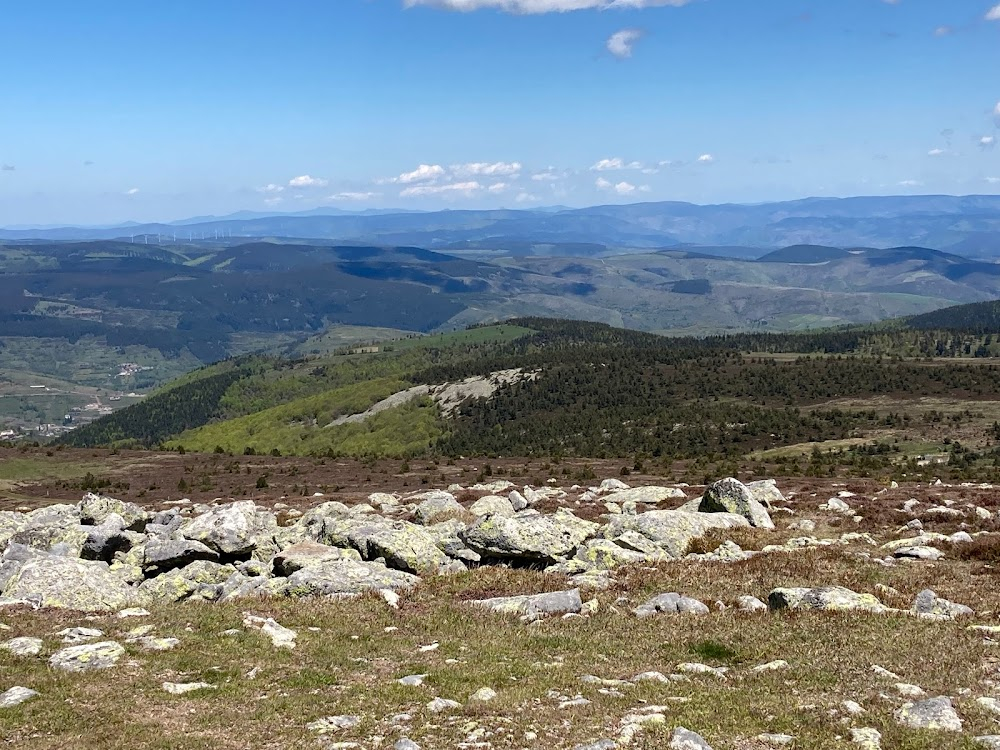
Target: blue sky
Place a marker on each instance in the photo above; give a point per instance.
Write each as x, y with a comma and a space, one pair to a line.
156, 111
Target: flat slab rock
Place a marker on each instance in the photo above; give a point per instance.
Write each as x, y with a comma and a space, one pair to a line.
685, 739
535, 605
826, 598
933, 713
16, 696
87, 657
673, 604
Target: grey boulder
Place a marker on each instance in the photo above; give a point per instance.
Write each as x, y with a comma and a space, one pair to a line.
732, 496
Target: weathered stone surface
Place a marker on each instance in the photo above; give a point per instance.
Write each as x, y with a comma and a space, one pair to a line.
231, 529
307, 553
988, 741
23, 646
405, 546
671, 603
95, 509
750, 604
930, 604
15, 696
933, 713
70, 584
732, 496
436, 506
344, 577
549, 538
671, 530
180, 688
766, 493
493, 505
176, 585
607, 554
535, 605
87, 657
644, 495
918, 553
685, 739
867, 738
162, 555
280, 636
826, 598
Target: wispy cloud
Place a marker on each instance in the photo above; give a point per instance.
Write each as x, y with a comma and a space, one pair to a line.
531, 7
485, 169
614, 164
935, 152
622, 188
621, 43
987, 142
706, 159
546, 175
993, 180
453, 188
354, 196
307, 181
993, 14
132, 191
910, 183
423, 173
271, 189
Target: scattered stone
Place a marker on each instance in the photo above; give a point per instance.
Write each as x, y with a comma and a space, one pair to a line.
16, 696
87, 657
852, 707
685, 739
598, 745
133, 612
333, 724
698, 668
405, 743
79, 635
750, 604
990, 704
867, 738
930, 604
483, 695
180, 688
534, 606
771, 666
775, 740
732, 496
908, 690
827, 598
152, 643
23, 646
988, 741
280, 636
412, 680
439, 705
932, 713
918, 553
671, 603
545, 538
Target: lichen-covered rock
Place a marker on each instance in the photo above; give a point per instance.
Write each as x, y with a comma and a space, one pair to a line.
929, 604
15, 696
533, 606
95, 509
176, 585
67, 583
231, 529
104, 541
672, 603
766, 492
493, 505
163, 555
344, 577
826, 598
685, 739
61, 536
307, 553
436, 505
405, 546
87, 657
933, 713
644, 495
606, 554
671, 530
732, 496
867, 738
549, 538
24, 646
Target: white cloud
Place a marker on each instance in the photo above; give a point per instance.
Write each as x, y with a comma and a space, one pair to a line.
937, 152
706, 159
307, 181
529, 7
498, 187
485, 169
466, 188
622, 188
548, 175
910, 183
526, 198
273, 201
993, 14
996, 114
423, 173
944, 31
987, 142
993, 180
132, 191
621, 43
270, 189
353, 196
608, 165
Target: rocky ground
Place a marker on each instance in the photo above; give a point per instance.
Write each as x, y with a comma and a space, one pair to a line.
494, 615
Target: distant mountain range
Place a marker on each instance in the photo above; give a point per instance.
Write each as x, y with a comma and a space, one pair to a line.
968, 226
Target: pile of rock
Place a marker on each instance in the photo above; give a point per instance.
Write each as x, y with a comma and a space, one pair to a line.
104, 554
